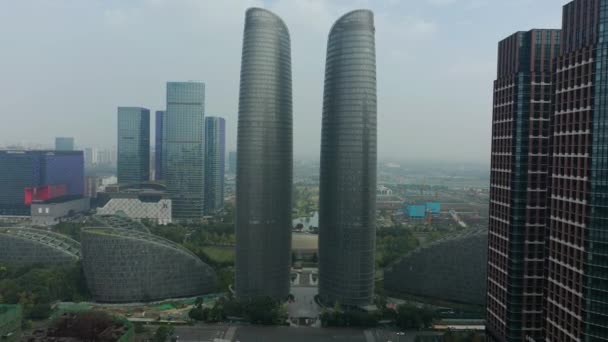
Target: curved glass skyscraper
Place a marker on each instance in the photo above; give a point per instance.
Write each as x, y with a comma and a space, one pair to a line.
347, 198
264, 169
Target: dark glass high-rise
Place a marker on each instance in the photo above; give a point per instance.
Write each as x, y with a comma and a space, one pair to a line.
577, 261
347, 198
215, 149
133, 164
158, 145
183, 149
264, 169
518, 185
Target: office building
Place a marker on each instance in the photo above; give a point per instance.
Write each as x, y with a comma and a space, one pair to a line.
158, 145
264, 171
577, 240
518, 185
347, 188
133, 145
232, 162
28, 176
64, 144
184, 149
52, 211
215, 160
145, 201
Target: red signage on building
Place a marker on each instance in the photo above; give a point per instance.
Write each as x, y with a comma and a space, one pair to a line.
44, 193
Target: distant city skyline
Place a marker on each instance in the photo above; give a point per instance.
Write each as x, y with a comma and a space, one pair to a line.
71, 50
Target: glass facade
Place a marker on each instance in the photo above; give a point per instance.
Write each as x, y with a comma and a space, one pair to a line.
158, 145
64, 144
264, 169
64, 168
29, 169
518, 185
215, 149
347, 198
133, 164
577, 265
18, 170
232, 162
595, 287
183, 148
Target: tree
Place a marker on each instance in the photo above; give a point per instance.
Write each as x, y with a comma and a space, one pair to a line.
198, 302
263, 310
140, 328
410, 317
225, 278
84, 326
198, 314
40, 311
162, 333
233, 308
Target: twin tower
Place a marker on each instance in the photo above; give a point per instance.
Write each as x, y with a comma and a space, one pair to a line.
347, 199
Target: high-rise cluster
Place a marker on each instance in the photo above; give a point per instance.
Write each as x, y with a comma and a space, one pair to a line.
189, 151
547, 235
348, 161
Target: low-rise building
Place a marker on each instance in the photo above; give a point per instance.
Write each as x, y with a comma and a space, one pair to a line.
138, 202
51, 212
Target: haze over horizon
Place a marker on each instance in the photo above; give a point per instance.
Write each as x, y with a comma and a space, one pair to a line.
67, 65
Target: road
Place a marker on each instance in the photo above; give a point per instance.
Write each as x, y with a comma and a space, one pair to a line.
206, 333
200, 332
300, 334
304, 305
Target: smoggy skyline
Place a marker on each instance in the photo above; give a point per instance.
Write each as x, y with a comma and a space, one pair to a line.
67, 65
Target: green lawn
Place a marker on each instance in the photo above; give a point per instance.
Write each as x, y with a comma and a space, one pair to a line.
219, 254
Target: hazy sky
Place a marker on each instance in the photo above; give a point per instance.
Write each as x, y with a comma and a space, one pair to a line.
66, 65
